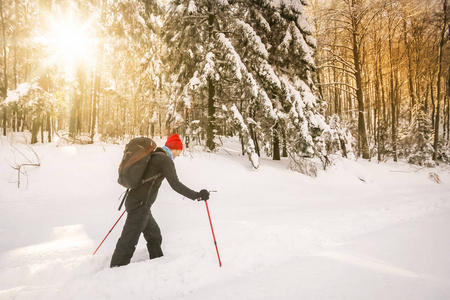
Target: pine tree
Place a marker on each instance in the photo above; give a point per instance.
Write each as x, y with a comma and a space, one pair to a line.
284, 71
193, 35
256, 60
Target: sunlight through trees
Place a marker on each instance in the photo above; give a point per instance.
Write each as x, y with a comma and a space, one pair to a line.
298, 79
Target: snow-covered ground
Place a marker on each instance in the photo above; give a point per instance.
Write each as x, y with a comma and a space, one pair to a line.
360, 230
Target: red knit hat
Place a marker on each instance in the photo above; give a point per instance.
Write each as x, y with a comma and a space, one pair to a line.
174, 142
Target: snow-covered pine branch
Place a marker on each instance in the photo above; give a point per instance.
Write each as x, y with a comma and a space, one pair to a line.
253, 39
249, 144
231, 54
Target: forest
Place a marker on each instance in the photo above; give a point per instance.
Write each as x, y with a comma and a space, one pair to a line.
292, 78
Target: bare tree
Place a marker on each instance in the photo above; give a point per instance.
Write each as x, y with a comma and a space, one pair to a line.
357, 11
382, 57
351, 20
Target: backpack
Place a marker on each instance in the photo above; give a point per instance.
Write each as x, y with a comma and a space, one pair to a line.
136, 157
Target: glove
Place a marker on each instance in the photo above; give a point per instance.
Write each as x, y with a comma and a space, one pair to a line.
203, 195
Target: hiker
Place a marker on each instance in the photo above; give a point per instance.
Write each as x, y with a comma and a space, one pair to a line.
139, 201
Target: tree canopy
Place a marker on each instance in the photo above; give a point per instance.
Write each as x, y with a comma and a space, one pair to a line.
290, 79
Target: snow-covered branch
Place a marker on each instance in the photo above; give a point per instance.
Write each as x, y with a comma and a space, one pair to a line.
249, 145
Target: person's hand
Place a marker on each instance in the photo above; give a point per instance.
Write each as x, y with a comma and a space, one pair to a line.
203, 195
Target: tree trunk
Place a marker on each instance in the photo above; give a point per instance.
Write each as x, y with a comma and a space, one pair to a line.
349, 98
276, 143
73, 115
410, 73
35, 129
242, 143
377, 104
41, 126
211, 93
211, 118
75, 112
433, 105
427, 93
284, 153
337, 108
393, 99
448, 105
362, 135
438, 95
383, 113
97, 86
5, 74
49, 128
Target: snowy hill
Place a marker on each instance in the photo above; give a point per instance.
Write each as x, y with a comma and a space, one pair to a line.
360, 230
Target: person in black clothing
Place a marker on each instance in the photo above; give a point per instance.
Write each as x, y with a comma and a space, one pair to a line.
139, 201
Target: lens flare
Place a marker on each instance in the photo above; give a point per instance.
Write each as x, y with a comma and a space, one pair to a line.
71, 43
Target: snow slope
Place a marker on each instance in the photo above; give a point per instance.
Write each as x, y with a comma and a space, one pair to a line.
360, 230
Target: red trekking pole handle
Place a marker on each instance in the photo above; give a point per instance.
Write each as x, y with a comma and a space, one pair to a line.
212, 230
110, 231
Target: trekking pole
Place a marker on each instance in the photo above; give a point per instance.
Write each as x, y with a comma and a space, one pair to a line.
110, 231
212, 230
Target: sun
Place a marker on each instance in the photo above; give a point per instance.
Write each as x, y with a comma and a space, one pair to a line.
71, 42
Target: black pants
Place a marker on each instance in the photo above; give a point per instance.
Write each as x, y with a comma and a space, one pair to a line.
139, 220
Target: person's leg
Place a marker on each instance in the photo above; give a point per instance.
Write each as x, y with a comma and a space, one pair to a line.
126, 245
152, 235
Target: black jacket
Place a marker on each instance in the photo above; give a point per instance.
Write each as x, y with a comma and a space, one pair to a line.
160, 163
